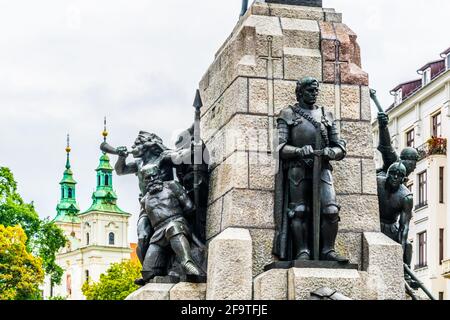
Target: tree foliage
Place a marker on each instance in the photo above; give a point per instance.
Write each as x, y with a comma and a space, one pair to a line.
116, 284
43, 237
20, 272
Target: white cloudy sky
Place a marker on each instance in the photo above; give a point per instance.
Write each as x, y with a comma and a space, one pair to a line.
64, 64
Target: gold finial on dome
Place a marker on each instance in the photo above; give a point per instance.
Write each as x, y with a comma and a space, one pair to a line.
68, 149
105, 132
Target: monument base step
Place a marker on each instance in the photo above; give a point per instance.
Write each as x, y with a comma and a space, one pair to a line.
310, 264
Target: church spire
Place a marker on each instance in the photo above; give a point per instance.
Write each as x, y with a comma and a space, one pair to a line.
67, 208
104, 198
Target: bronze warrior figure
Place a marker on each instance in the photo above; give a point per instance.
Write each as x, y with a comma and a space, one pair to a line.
167, 204
306, 131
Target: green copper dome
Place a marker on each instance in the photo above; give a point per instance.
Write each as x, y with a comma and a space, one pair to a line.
104, 198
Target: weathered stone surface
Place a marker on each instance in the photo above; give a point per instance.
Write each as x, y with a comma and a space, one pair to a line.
359, 213
264, 25
358, 137
248, 208
349, 244
262, 171
230, 266
232, 101
232, 173
369, 177
284, 94
327, 98
347, 175
299, 63
214, 219
383, 260
271, 285
258, 96
333, 17
329, 73
350, 102
366, 113
353, 74
301, 282
300, 33
152, 291
296, 12
188, 291
262, 249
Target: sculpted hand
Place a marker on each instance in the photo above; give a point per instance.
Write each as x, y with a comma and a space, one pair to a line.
122, 151
329, 154
305, 152
383, 119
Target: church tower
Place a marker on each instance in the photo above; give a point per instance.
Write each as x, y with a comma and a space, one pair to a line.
67, 217
104, 223
101, 232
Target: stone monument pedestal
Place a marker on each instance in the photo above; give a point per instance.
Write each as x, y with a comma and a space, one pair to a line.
252, 78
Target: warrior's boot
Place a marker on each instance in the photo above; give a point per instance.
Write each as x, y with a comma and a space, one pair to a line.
328, 233
180, 245
299, 226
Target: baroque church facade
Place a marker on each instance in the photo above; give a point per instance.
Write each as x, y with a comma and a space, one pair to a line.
96, 237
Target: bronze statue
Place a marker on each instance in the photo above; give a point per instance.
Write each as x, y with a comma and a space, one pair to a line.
408, 156
396, 204
190, 160
305, 199
167, 204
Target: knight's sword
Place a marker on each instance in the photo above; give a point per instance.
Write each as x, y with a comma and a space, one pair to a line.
317, 175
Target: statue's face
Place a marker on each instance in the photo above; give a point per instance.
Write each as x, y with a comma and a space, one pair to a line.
396, 177
151, 174
138, 146
310, 93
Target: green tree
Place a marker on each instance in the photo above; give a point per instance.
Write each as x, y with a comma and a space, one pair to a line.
116, 284
44, 238
20, 272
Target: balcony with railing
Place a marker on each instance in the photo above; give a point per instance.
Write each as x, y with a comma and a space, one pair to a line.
446, 268
434, 146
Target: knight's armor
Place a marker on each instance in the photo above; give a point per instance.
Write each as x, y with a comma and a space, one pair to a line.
297, 128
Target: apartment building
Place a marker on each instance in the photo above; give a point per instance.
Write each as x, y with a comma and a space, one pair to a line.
420, 118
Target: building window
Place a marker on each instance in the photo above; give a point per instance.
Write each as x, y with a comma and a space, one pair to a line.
69, 285
87, 238
422, 190
448, 62
98, 181
106, 180
441, 295
111, 238
410, 138
87, 275
436, 125
398, 97
441, 184
441, 246
426, 77
422, 250
70, 193
62, 193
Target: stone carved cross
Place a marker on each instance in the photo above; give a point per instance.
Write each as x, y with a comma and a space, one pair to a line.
270, 74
